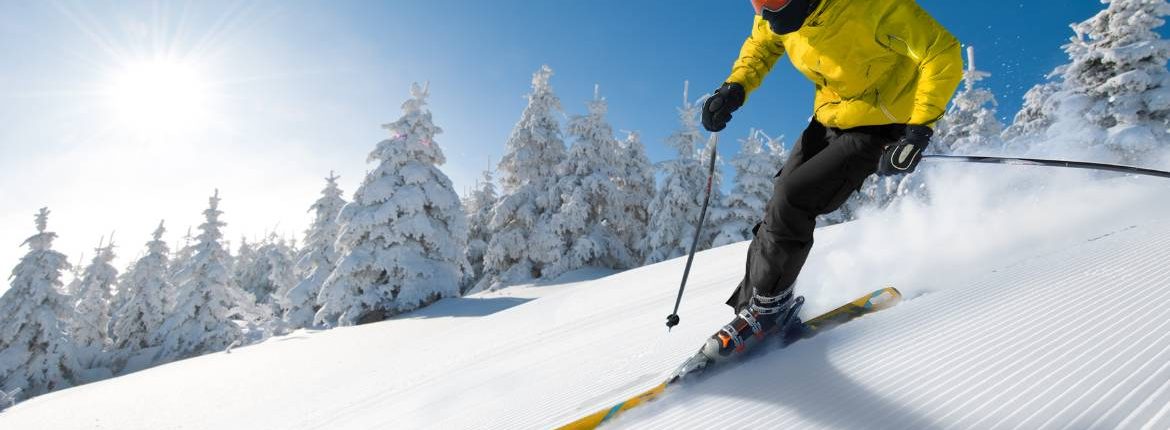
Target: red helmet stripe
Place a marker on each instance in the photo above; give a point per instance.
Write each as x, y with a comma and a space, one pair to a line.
769, 5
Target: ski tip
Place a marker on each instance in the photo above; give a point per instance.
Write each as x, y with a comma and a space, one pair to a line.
883, 298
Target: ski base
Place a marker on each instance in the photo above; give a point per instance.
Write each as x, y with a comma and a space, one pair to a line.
869, 303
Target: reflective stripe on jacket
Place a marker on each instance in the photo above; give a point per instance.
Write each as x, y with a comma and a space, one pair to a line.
873, 62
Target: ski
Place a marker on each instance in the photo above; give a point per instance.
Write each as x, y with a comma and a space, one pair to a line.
869, 303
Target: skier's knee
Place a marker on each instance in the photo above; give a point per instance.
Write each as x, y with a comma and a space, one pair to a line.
788, 195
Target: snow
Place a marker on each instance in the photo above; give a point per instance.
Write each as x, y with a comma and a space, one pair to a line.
1035, 299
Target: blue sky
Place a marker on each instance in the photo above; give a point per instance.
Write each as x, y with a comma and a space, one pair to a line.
290, 90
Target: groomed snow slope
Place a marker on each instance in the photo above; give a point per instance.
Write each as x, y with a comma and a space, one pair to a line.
1029, 312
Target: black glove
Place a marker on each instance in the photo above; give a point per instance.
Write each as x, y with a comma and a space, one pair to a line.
718, 108
903, 156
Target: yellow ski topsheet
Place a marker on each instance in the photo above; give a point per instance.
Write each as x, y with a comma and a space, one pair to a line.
875, 301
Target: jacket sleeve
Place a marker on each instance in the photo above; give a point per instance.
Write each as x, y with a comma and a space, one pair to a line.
757, 56
910, 31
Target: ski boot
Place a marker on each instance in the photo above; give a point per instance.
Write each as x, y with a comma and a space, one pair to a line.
764, 317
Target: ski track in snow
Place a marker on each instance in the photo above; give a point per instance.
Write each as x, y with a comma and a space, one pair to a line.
1072, 334
1079, 339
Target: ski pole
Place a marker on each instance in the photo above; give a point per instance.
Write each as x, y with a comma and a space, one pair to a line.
672, 319
1049, 163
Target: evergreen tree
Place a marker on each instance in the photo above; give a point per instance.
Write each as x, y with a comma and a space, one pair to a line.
589, 207
75, 275
92, 308
404, 237
535, 148
1034, 117
139, 320
675, 209
180, 263
267, 272
636, 181
479, 207
318, 258
520, 249
756, 164
247, 273
1114, 94
36, 353
275, 270
200, 321
970, 125
1119, 68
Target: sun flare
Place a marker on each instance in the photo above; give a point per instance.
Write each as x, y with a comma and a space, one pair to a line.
159, 96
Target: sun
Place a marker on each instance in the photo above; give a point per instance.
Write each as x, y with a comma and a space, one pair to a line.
158, 96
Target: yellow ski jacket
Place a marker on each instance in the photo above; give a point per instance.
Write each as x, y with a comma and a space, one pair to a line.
874, 62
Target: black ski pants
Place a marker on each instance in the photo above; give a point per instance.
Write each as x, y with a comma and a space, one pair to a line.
827, 165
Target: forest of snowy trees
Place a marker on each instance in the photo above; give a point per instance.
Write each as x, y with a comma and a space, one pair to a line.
566, 194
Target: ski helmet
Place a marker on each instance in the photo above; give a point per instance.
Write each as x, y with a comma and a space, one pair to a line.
784, 16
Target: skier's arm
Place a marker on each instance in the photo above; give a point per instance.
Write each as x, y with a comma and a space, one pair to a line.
757, 56
910, 31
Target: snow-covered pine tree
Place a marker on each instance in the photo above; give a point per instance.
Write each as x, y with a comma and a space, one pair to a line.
1119, 68
138, 321
179, 262
37, 354
756, 164
1033, 118
75, 275
91, 323
588, 207
247, 274
518, 249
479, 208
535, 148
1114, 94
675, 208
636, 181
268, 272
276, 270
200, 321
318, 257
403, 238
970, 126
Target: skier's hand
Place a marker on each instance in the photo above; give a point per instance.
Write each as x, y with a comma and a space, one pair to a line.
718, 108
904, 155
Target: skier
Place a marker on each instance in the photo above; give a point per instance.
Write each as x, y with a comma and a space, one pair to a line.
884, 72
